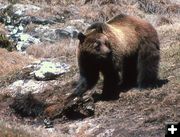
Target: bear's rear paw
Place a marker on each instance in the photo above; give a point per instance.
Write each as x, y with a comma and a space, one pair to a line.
155, 84
107, 97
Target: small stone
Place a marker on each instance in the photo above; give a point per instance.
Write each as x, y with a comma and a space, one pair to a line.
21, 46
19, 12
9, 27
15, 30
21, 28
48, 123
8, 20
72, 30
24, 37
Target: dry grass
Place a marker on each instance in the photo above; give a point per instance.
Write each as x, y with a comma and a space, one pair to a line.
170, 50
12, 61
2, 29
169, 34
11, 132
48, 2
47, 50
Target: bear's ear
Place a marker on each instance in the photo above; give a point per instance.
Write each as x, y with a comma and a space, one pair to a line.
99, 27
81, 37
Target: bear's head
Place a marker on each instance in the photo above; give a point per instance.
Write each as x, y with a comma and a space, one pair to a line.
95, 44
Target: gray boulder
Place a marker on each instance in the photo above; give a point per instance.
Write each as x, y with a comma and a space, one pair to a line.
22, 9
26, 86
45, 33
47, 70
69, 31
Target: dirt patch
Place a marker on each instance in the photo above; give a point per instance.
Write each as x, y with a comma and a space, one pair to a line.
51, 104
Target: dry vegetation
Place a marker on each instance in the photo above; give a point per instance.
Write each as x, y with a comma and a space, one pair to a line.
12, 61
11, 132
2, 29
65, 48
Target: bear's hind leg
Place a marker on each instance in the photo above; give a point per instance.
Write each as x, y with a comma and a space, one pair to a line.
148, 65
129, 71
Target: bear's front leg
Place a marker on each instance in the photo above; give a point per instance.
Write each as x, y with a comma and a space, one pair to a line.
88, 79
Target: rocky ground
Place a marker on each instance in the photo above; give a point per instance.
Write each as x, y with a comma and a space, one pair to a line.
37, 55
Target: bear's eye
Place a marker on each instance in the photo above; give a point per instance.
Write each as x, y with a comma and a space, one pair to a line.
97, 46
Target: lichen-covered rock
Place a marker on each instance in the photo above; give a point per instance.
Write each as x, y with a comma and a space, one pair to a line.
22, 9
11, 14
25, 40
73, 32
16, 18
45, 33
25, 86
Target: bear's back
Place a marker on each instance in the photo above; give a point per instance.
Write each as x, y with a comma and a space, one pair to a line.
130, 24
130, 31
122, 30
128, 21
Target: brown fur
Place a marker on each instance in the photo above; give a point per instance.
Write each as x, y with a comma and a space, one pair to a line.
125, 49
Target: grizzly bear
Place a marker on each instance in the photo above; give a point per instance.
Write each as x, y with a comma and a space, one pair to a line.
124, 49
